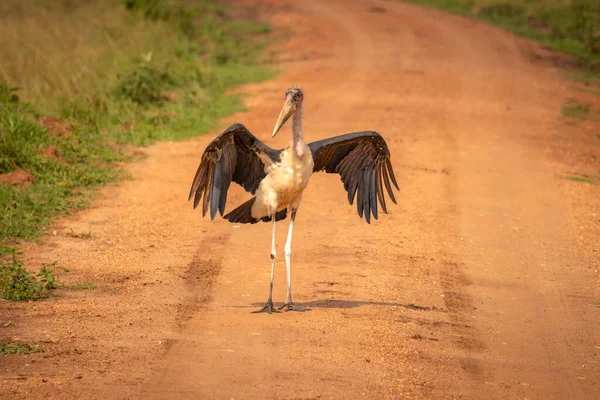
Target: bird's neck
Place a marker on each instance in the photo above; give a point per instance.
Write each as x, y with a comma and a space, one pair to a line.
297, 136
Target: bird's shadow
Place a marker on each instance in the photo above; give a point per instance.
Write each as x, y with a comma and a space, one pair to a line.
328, 303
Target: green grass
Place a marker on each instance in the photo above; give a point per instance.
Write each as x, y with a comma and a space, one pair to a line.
582, 178
587, 77
570, 26
60, 185
573, 109
20, 348
109, 73
81, 286
586, 90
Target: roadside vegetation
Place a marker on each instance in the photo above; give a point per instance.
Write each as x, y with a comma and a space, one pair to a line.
82, 83
574, 109
570, 26
20, 348
20, 284
582, 179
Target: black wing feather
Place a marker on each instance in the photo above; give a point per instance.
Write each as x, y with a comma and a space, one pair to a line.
386, 181
215, 194
373, 192
234, 155
380, 189
365, 189
360, 204
362, 159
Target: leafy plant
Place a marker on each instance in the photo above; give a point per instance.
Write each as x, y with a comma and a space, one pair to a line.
16, 283
49, 276
8, 95
19, 284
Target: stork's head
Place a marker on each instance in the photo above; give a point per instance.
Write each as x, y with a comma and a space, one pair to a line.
293, 100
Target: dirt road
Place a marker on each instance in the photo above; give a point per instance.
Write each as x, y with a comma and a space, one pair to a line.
481, 283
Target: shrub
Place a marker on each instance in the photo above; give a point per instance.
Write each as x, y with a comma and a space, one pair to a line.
144, 83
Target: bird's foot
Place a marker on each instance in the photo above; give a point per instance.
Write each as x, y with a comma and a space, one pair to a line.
289, 306
267, 308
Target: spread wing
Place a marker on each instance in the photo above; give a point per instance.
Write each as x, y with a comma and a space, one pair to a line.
362, 159
234, 155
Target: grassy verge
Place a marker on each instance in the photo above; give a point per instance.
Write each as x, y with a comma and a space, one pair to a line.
79, 81
570, 26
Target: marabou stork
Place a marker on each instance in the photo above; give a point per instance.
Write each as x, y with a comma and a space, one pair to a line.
277, 178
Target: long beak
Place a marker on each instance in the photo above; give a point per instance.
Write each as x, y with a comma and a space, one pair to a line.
284, 115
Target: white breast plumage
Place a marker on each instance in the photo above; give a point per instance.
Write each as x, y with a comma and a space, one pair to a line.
284, 183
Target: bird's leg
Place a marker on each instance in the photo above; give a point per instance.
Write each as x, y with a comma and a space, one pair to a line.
269, 306
289, 305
